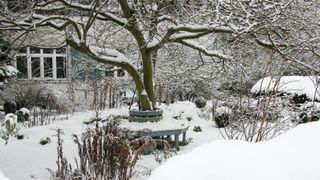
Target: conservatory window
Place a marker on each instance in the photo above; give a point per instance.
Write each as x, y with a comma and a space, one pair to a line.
42, 63
35, 65
48, 67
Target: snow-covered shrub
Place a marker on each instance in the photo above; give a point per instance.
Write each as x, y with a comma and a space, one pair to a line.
43, 101
33, 94
307, 112
197, 129
56, 99
104, 153
222, 120
299, 99
23, 115
9, 127
45, 140
309, 116
19, 136
299, 85
257, 120
9, 107
200, 103
222, 116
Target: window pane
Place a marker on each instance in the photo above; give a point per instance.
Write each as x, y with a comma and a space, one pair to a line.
35, 66
48, 67
34, 50
61, 67
47, 51
121, 73
22, 66
61, 51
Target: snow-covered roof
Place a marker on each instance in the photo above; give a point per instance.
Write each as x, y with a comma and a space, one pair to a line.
291, 156
308, 85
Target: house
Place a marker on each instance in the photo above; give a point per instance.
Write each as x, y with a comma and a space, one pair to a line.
45, 59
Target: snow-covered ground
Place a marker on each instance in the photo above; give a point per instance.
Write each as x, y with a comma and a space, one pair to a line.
28, 160
291, 156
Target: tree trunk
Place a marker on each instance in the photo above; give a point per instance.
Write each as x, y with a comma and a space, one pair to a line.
148, 75
140, 86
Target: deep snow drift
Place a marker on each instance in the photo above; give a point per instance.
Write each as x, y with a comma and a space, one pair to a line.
291, 156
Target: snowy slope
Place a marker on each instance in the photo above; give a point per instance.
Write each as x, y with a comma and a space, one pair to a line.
292, 156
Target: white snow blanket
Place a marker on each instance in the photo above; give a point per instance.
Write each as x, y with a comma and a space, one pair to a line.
308, 85
291, 156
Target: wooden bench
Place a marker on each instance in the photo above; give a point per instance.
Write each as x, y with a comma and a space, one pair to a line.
175, 132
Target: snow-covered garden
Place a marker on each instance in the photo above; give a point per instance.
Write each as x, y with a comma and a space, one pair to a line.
152, 90
207, 155
31, 159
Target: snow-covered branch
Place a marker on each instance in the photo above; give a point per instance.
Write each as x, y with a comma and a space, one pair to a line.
110, 56
174, 34
195, 45
69, 5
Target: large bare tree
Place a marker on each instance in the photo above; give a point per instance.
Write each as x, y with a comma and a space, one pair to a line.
154, 23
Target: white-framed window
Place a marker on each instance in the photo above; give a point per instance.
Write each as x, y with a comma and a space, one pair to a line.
41, 63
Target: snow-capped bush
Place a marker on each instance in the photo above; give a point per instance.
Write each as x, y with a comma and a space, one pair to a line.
222, 116
299, 99
23, 114
8, 71
11, 118
9, 127
45, 140
113, 146
222, 120
200, 103
299, 85
309, 116
197, 129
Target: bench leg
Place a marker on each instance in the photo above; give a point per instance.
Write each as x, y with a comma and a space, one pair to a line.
184, 137
176, 141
